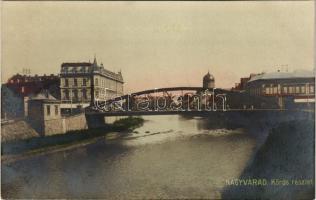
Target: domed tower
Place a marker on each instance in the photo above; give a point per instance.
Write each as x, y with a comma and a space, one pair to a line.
208, 81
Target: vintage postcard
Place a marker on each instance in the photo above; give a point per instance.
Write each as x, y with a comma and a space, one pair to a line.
158, 100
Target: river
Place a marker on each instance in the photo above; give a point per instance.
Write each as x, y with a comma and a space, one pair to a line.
168, 157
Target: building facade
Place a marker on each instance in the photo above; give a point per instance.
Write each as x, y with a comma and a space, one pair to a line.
45, 117
43, 107
82, 82
294, 89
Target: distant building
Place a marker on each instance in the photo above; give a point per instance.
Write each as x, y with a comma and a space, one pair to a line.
84, 81
25, 85
243, 83
12, 104
18, 88
290, 88
208, 81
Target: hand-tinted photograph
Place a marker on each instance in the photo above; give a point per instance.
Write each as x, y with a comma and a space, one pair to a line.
158, 100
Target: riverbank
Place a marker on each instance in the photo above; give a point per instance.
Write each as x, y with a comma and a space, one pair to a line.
34, 145
282, 168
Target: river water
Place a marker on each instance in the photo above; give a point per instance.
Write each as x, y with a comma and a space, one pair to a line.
168, 157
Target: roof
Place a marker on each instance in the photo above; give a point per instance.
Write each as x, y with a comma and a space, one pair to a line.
18, 78
77, 64
43, 95
283, 75
111, 74
208, 76
95, 68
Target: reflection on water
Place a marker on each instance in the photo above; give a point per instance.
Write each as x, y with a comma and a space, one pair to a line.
168, 157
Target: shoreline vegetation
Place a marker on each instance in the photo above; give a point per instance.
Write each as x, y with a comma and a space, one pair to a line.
38, 145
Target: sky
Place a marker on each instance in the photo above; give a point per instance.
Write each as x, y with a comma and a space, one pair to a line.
159, 44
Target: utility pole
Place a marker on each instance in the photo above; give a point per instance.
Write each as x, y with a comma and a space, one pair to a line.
92, 87
70, 102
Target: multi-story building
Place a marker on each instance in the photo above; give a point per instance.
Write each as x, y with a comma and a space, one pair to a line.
289, 88
83, 82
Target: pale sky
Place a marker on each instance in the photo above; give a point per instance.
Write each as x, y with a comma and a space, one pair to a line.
159, 44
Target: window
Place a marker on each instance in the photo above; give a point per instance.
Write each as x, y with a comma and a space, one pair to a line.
311, 89
22, 89
75, 82
56, 110
275, 90
285, 90
96, 82
303, 89
297, 89
66, 82
75, 92
267, 90
290, 90
66, 94
84, 82
48, 109
84, 94
97, 94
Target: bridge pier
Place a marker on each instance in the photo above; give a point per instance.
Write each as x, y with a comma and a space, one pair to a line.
95, 121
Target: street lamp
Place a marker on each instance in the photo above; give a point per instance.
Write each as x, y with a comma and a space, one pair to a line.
70, 102
213, 98
156, 100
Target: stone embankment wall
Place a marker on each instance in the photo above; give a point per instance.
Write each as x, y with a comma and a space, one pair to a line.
17, 130
53, 126
77, 122
65, 124
23, 130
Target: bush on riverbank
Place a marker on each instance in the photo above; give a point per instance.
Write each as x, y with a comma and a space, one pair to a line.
18, 146
129, 123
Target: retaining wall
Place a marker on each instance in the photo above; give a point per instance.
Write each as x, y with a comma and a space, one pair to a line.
21, 129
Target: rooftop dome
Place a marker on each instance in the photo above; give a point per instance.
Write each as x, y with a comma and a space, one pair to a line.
208, 77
